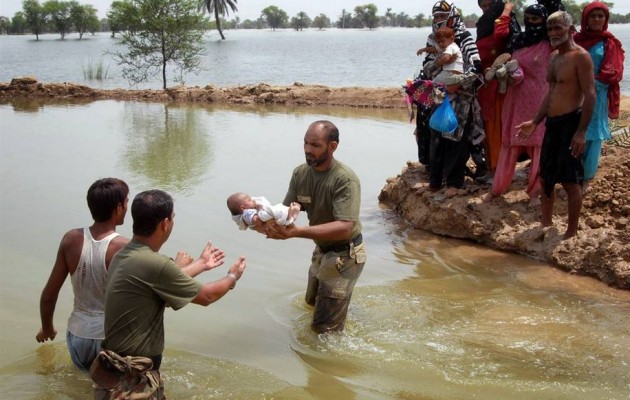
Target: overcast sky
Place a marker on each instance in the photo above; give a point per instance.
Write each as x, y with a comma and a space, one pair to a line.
250, 9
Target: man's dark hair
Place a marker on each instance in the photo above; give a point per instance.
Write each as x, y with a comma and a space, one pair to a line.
332, 133
104, 196
148, 209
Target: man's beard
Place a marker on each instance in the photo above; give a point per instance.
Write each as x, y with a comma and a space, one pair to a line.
557, 41
316, 162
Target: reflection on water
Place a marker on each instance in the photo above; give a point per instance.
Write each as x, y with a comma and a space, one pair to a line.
430, 318
166, 144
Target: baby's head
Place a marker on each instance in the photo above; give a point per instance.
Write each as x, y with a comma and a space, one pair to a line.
237, 202
444, 36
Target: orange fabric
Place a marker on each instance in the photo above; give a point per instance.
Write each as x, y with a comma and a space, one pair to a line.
491, 103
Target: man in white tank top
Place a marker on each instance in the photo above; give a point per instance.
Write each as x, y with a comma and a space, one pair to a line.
85, 254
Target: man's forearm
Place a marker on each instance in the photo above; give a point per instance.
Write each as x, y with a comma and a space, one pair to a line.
542, 111
336, 230
587, 113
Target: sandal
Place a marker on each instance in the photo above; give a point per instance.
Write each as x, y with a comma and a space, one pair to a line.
498, 62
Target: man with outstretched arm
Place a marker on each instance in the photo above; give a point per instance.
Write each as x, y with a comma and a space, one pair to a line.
330, 193
141, 283
568, 107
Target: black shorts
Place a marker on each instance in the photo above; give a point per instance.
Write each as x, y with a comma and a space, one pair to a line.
557, 165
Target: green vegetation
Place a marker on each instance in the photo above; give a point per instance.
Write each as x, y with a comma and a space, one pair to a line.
274, 17
65, 17
219, 8
95, 71
367, 15
300, 21
160, 34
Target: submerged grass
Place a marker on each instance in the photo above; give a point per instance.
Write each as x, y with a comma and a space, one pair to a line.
95, 71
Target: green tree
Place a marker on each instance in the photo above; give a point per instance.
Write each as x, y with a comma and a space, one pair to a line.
5, 25
121, 16
59, 13
219, 8
388, 18
35, 16
300, 21
161, 34
274, 17
18, 23
367, 15
321, 21
403, 19
344, 19
84, 18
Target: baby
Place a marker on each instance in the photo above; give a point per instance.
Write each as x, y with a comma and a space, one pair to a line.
253, 212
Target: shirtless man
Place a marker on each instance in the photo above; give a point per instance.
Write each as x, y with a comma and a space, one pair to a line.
568, 107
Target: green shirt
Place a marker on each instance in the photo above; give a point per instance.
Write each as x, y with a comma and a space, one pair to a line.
140, 284
331, 195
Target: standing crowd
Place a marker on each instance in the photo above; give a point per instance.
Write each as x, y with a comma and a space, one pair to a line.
544, 93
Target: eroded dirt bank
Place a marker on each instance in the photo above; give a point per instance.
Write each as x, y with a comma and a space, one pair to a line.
601, 249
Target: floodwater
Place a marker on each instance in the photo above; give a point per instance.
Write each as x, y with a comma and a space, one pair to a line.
332, 57
431, 318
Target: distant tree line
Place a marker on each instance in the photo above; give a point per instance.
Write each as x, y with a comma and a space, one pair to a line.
64, 17
56, 16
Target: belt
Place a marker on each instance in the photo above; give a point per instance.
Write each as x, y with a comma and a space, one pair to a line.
342, 247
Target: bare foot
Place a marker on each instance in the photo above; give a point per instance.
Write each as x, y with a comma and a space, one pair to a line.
489, 197
568, 235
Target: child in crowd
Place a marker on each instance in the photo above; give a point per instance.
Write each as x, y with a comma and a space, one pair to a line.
252, 212
449, 57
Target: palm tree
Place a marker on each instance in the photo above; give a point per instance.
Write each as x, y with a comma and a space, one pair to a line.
220, 8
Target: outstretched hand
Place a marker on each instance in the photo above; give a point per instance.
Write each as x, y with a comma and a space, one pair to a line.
182, 259
525, 129
211, 257
238, 267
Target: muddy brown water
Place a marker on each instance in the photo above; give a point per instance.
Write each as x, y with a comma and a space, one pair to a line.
431, 318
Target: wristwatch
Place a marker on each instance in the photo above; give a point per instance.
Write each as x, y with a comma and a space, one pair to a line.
234, 278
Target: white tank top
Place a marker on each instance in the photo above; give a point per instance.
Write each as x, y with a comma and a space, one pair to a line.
88, 284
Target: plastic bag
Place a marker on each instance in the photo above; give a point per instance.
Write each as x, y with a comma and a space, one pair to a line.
443, 118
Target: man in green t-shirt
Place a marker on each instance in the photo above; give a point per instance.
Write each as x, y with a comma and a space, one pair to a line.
330, 193
142, 282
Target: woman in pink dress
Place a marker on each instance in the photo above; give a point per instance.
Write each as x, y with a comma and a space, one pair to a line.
531, 50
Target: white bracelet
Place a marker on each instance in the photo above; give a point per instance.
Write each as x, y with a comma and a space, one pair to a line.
232, 276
